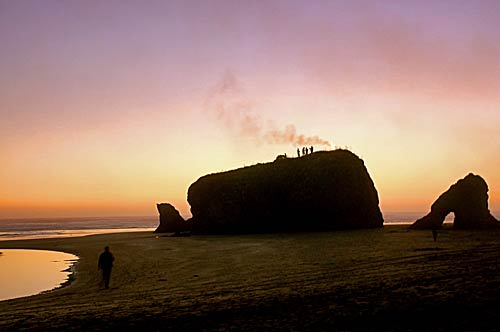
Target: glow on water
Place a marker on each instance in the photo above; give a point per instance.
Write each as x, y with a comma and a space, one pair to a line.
57, 233
30, 272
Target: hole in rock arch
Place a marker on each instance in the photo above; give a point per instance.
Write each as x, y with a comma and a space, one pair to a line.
450, 218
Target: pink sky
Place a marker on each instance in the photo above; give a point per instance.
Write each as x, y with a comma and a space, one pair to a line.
108, 107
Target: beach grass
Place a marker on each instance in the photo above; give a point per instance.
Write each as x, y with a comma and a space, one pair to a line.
378, 279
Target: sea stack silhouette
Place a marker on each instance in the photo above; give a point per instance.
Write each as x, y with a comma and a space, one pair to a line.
170, 219
468, 200
323, 191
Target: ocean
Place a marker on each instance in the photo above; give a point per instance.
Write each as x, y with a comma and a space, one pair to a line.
37, 228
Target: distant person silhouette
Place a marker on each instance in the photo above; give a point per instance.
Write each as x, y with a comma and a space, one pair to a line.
303, 151
312, 149
298, 152
105, 264
307, 151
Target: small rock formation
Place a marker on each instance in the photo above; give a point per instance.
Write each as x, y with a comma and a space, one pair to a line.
318, 192
468, 200
170, 220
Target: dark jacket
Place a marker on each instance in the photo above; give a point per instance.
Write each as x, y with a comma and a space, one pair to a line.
106, 260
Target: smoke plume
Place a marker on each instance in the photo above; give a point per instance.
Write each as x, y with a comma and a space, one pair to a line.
228, 102
289, 135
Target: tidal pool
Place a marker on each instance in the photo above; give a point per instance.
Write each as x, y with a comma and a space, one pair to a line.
28, 272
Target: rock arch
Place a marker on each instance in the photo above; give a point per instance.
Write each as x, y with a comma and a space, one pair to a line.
468, 200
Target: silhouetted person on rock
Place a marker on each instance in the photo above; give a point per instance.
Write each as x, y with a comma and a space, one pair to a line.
105, 264
303, 151
307, 151
312, 149
298, 152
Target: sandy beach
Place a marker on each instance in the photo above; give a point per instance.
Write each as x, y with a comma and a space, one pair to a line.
383, 279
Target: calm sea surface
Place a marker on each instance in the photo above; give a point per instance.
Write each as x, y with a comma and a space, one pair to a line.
36, 228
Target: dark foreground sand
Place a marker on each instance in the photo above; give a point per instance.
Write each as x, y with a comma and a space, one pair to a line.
386, 279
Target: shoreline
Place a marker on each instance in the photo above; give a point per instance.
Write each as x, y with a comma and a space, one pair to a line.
70, 279
272, 282
52, 277
67, 233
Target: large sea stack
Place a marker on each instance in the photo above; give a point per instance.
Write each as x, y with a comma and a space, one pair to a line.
318, 192
468, 200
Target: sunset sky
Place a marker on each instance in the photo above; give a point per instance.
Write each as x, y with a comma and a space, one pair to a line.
108, 107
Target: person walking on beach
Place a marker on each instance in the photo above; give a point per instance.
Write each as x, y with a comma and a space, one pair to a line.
105, 264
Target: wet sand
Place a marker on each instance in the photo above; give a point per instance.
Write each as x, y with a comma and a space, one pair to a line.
385, 279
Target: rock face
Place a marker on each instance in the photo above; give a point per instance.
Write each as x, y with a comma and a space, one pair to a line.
170, 220
468, 200
321, 191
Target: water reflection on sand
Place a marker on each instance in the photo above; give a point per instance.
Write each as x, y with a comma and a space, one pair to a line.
29, 272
